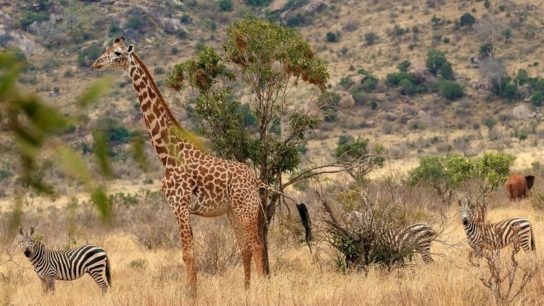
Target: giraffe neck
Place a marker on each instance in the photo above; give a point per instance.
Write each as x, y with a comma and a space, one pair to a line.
164, 130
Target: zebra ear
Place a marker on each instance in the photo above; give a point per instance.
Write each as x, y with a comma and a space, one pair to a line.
31, 230
20, 230
459, 202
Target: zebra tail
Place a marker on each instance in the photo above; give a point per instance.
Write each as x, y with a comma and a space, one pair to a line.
108, 273
306, 222
533, 247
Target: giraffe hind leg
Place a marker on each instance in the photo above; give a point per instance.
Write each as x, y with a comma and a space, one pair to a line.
251, 226
244, 249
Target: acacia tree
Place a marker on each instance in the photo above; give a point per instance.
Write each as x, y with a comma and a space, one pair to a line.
265, 128
447, 173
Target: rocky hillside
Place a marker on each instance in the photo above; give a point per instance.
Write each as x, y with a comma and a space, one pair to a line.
419, 77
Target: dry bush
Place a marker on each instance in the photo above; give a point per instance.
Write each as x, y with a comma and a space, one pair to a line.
360, 223
507, 279
216, 246
152, 222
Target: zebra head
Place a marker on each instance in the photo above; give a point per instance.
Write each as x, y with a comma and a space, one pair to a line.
465, 212
27, 242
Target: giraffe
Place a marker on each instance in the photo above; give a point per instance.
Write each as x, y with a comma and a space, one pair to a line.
195, 182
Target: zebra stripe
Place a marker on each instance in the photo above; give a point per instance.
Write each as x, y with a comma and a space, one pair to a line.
53, 265
415, 237
495, 236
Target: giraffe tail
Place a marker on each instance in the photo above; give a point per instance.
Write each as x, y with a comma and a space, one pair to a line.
306, 222
108, 272
302, 211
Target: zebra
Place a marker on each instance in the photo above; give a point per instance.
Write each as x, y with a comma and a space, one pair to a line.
413, 238
65, 265
495, 236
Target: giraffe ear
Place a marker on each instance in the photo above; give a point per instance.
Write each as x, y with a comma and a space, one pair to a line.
130, 49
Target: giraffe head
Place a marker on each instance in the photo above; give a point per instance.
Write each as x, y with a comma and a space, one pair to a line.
117, 55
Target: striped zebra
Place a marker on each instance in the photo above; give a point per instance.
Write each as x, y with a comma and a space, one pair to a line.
415, 238
65, 265
495, 236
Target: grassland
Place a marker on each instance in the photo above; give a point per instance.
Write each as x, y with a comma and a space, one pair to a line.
156, 275
142, 240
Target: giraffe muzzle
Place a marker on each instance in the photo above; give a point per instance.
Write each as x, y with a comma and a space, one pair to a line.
96, 65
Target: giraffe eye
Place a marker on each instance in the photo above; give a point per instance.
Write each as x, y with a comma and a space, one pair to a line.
117, 53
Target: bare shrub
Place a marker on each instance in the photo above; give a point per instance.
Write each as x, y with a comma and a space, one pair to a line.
350, 26
171, 272
507, 279
361, 225
216, 247
150, 220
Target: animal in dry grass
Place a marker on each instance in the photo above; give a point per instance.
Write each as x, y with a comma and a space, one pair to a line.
518, 186
415, 238
482, 235
53, 265
195, 182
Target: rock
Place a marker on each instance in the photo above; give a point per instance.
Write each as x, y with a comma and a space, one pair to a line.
315, 7
425, 117
277, 5
346, 100
170, 25
522, 112
5, 18
20, 41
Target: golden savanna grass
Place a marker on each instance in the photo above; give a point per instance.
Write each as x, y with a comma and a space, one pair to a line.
157, 277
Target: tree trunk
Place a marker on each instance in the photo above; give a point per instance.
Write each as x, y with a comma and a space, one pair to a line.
269, 208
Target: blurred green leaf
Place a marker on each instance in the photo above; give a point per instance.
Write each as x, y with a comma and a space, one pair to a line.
72, 164
101, 152
138, 152
102, 202
10, 69
95, 91
14, 219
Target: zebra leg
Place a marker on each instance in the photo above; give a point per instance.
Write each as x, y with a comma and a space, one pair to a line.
471, 256
426, 256
44, 285
98, 277
50, 282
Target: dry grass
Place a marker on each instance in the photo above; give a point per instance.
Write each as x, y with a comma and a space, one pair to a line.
156, 276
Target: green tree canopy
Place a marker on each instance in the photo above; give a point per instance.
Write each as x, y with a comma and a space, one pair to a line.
445, 173
265, 131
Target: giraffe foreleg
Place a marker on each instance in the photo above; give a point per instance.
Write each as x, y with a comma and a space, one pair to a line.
186, 233
179, 199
